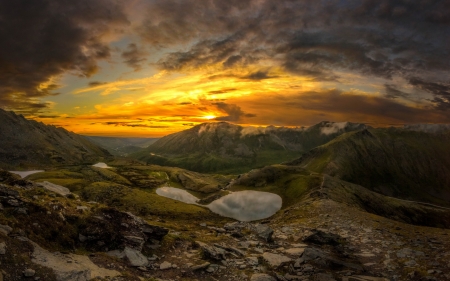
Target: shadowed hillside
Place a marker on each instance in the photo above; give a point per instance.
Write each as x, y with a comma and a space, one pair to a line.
396, 162
29, 143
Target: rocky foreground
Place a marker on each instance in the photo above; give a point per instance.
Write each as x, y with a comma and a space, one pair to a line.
49, 234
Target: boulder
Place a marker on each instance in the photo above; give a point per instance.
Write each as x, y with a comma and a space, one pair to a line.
263, 231
212, 252
135, 257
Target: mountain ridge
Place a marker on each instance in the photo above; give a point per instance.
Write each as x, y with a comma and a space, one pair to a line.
225, 147
28, 143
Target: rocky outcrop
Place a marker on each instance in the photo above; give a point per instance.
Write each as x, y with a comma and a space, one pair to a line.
111, 229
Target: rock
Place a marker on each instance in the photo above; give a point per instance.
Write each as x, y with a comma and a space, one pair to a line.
363, 278
322, 238
200, 266
165, 265
294, 251
135, 257
82, 238
211, 251
252, 260
265, 232
29, 272
82, 208
2, 248
5, 229
212, 268
275, 260
153, 231
69, 266
262, 277
311, 254
411, 263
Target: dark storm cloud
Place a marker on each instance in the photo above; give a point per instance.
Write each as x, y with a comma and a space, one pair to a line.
393, 93
259, 75
46, 38
234, 112
318, 39
440, 91
134, 57
96, 83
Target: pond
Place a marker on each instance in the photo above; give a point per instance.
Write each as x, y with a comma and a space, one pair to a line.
101, 165
247, 205
24, 174
242, 205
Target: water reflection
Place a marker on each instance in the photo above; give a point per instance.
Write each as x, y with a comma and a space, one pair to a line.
24, 174
243, 205
247, 205
177, 194
101, 165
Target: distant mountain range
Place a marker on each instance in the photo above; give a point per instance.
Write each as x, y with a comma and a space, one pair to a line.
28, 143
224, 147
121, 146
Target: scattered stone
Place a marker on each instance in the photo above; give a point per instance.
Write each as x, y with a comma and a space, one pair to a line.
200, 266
252, 260
295, 251
411, 263
211, 251
135, 257
275, 260
265, 232
262, 277
5, 229
2, 248
29, 272
212, 268
165, 265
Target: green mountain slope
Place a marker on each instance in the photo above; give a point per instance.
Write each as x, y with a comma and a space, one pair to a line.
227, 148
401, 163
27, 143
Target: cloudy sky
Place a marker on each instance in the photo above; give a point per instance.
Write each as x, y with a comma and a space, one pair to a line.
153, 67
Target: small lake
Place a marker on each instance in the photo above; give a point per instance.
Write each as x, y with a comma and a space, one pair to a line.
24, 174
245, 205
101, 165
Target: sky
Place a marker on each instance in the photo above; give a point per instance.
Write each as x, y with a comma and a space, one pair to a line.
148, 68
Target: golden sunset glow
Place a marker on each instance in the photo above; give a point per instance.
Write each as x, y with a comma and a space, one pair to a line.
139, 73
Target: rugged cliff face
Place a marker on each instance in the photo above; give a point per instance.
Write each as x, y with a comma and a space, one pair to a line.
27, 143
